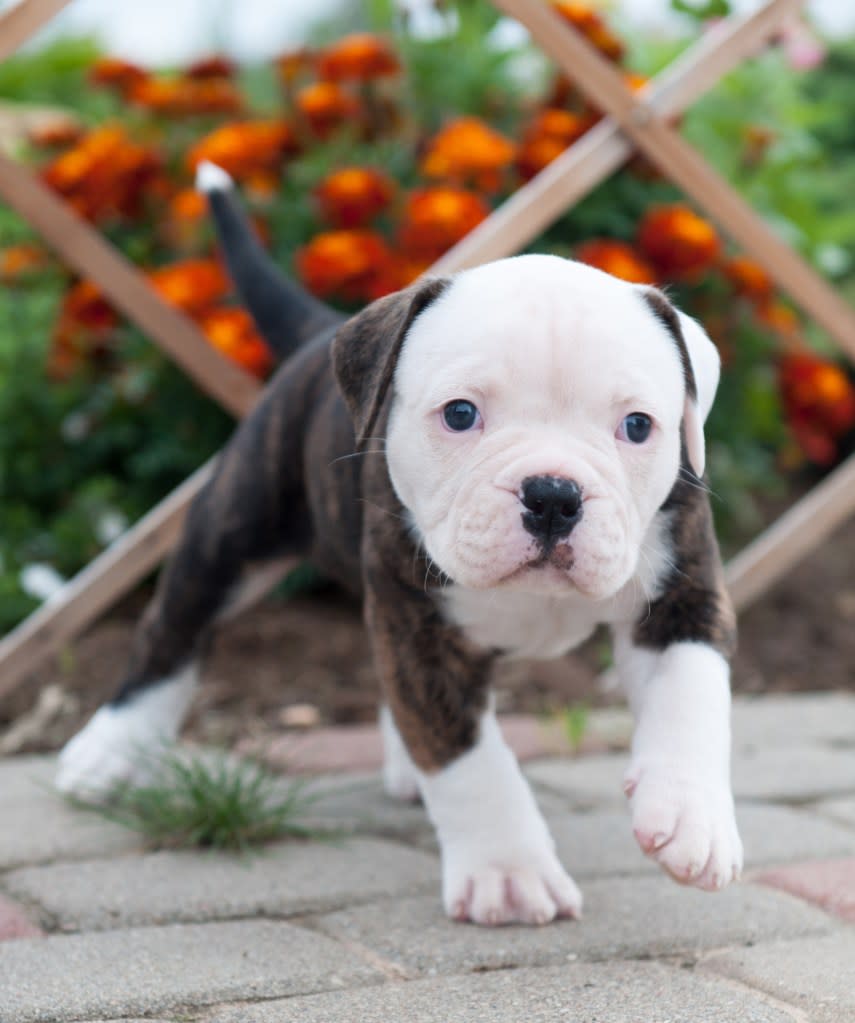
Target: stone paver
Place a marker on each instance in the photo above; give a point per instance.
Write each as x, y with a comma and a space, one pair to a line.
600, 842
157, 969
794, 719
826, 883
622, 918
282, 880
575, 992
816, 976
46, 827
842, 810
794, 775
15, 922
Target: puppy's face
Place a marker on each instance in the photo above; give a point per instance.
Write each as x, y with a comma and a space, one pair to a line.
535, 424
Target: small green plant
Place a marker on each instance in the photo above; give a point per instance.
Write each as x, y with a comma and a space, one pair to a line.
575, 722
210, 801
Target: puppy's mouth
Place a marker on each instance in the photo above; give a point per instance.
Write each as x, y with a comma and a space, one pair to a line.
555, 560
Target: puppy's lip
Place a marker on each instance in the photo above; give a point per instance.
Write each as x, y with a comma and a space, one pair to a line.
558, 562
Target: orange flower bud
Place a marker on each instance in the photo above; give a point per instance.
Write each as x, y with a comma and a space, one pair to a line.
116, 74
232, 332
587, 21
19, 261
179, 97
617, 259
191, 285
244, 147
679, 243
434, 219
358, 57
779, 318
62, 130
467, 149
353, 265
216, 66
546, 138
352, 196
819, 401
325, 106
748, 278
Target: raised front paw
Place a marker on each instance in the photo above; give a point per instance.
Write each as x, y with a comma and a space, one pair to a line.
530, 888
686, 823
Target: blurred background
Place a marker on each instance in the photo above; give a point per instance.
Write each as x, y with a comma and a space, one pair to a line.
367, 138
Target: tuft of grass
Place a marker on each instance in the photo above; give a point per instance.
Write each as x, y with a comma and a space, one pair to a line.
211, 801
575, 723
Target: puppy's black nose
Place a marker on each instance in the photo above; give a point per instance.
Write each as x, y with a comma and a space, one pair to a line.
554, 506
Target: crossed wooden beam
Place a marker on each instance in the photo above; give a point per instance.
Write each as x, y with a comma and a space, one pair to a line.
634, 122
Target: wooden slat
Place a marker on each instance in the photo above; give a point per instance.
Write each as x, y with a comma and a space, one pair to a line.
98, 586
570, 177
83, 248
800, 530
21, 22
680, 162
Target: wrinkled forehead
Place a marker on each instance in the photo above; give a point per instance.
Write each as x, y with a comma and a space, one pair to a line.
539, 321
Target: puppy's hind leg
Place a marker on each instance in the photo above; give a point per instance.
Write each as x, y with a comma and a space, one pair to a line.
246, 517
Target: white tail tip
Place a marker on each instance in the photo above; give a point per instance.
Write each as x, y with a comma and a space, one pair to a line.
211, 178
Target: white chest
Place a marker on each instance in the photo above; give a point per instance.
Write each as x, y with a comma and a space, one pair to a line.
524, 624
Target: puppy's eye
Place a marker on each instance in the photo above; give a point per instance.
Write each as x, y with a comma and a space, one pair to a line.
635, 428
460, 415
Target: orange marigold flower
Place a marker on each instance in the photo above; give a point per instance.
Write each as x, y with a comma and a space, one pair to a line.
779, 318
179, 97
325, 106
243, 148
19, 261
291, 65
468, 150
546, 138
191, 285
591, 25
819, 401
216, 66
434, 219
748, 278
232, 332
352, 265
83, 325
116, 74
679, 243
358, 57
61, 130
105, 174
352, 196
188, 206
618, 259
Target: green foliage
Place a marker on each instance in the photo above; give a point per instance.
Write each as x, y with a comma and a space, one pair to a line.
210, 801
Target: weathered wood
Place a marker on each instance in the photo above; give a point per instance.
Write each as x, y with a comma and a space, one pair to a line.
98, 586
800, 530
83, 248
680, 162
569, 178
21, 22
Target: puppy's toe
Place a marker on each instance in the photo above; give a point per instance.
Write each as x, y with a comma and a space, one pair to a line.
688, 827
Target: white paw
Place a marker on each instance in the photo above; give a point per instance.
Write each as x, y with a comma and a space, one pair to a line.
686, 823
109, 751
530, 888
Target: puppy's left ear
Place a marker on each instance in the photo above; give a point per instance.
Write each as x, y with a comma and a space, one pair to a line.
365, 350
701, 370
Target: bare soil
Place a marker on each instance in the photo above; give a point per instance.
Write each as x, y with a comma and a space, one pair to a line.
313, 650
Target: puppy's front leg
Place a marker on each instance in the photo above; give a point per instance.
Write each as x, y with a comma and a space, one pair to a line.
678, 781
498, 858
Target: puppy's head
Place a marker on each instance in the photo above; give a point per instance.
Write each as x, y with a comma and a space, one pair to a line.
537, 411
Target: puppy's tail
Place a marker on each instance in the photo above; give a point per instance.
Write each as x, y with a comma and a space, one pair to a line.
285, 314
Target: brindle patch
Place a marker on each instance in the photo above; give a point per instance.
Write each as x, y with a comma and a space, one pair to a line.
667, 316
694, 605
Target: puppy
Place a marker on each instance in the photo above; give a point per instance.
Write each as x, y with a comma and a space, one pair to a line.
498, 462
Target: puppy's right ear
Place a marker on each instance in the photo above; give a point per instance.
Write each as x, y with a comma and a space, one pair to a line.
365, 350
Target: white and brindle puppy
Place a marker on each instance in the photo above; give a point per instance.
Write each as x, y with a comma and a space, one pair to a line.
533, 448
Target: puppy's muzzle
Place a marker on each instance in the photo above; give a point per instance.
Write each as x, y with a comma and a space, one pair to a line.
554, 507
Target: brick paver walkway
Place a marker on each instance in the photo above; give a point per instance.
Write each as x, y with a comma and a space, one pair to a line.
94, 928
